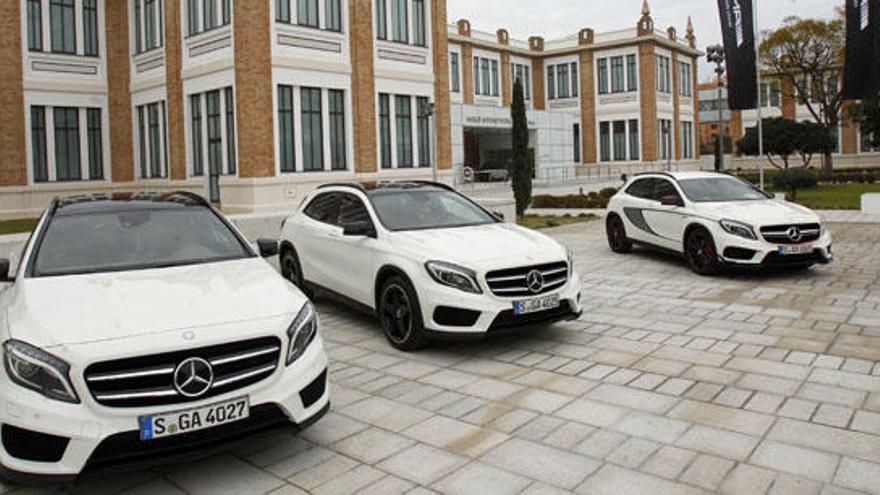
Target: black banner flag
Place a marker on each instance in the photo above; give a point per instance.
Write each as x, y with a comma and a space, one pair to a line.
738, 28
862, 73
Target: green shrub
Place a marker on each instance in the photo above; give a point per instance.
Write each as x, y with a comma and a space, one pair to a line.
593, 200
552, 223
793, 179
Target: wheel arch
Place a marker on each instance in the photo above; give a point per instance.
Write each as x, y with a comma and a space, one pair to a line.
384, 273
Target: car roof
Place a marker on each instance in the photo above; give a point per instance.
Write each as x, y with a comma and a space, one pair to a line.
685, 175
374, 188
125, 201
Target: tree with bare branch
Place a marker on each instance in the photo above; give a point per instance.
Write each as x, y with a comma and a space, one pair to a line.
809, 53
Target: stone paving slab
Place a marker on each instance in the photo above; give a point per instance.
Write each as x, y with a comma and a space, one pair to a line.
669, 383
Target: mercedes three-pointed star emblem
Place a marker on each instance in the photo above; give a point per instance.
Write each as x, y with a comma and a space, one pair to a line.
193, 377
535, 281
794, 234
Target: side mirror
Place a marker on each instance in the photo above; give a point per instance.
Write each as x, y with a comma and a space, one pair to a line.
359, 229
4, 271
671, 200
498, 215
268, 247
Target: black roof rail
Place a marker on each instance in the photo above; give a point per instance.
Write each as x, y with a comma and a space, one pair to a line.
197, 198
431, 183
665, 174
352, 185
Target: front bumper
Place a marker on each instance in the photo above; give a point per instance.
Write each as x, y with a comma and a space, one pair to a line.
484, 314
99, 436
737, 251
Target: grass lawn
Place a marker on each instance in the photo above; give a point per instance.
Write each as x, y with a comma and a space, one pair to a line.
835, 196
544, 222
17, 226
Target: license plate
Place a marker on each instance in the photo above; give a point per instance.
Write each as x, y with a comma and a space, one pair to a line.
535, 305
796, 249
190, 420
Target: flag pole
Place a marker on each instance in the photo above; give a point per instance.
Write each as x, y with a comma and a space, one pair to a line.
760, 103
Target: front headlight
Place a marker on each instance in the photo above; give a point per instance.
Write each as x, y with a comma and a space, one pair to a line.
739, 229
301, 332
453, 276
38, 370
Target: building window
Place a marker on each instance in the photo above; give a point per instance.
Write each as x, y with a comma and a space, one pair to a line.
148, 13
454, 72
419, 37
664, 80
207, 11
551, 82
486, 77
227, 12
771, 94
63, 31
686, 80
90, 27
632, 75
209, 21
634, 144
282, 10
38, 143
495, 85
617, 77
312, 129
424, 130
333, 14
67, 161
687, 140
400, 20
287, 151
562, 81
620, 140
603, 75
35, 25
155, 141
403, 116
385, 130
605, 141
197, 153
664, 138
336, 102
231, 155
576, 130
575, 83
192, 16
866, 142
215, 133
96, 152
381, 19
522, 73
307, 13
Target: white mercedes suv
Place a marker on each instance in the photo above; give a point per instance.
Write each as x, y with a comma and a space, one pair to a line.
428, 261
138, 327
715, 220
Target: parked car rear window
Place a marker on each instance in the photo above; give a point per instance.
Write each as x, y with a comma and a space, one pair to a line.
423, 209
135, 240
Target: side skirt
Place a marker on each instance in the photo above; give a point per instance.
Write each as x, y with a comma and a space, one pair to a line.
319, 290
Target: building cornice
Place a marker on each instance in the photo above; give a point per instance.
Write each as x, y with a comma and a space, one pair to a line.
557, 52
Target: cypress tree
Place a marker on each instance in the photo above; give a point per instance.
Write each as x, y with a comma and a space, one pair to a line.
521, 173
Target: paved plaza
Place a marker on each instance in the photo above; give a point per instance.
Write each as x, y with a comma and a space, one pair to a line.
669, 383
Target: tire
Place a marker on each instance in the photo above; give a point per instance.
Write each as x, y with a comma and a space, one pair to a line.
700, 252
291, 268
616, 232
400, 315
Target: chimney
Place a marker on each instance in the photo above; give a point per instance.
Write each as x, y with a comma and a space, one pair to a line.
586, 36
464, 27
503, 36
536, 44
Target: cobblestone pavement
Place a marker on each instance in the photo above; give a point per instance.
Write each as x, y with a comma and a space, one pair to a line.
669, 383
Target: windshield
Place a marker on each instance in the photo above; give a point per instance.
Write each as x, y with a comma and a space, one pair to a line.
719, 189
422, 209
134, 240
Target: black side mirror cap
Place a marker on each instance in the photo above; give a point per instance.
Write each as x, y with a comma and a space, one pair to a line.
359, 229
498, 215
4, 271
671, 201
268, 247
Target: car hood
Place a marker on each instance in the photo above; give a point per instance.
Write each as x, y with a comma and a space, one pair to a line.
483, 247
760, 213
82, 309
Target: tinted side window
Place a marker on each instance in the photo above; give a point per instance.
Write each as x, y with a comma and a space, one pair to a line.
352, 210
643, 188
663, 188
324, 208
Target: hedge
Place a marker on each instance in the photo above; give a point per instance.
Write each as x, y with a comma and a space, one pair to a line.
593, 200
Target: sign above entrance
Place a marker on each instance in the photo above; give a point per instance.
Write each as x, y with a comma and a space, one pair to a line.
486, 121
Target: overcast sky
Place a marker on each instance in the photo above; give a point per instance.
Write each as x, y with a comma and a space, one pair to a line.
558, 18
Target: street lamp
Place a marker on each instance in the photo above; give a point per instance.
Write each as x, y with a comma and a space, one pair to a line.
429, 112
715, 55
